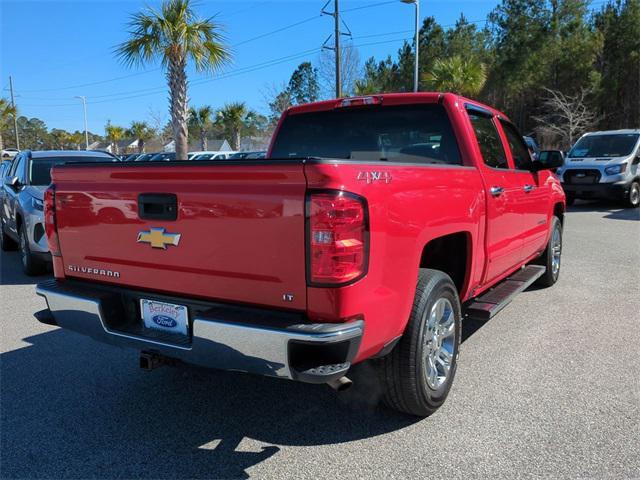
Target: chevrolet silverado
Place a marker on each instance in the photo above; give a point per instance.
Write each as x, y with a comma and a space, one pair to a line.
373, 227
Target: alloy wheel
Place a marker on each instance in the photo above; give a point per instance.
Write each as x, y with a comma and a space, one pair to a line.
439, 342
556, 251
634, 194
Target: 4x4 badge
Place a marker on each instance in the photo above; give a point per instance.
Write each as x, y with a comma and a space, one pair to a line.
158, 238
371, 177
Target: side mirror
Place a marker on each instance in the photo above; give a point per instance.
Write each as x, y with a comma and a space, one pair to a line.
548, 160
12, 182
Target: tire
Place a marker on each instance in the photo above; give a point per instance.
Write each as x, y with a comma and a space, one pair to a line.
30, 264
6, 242
633, 199
548, 257
570, 200
404, 371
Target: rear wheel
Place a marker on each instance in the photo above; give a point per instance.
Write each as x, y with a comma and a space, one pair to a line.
552, 256
418, 373
30, 264
6, 242
633, 200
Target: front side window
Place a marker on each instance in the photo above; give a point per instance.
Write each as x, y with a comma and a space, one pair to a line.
605, 145
14, 165
490, 144
405, 133
519, 150
19, 172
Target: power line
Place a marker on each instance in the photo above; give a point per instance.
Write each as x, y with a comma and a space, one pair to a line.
241, 71
243, 42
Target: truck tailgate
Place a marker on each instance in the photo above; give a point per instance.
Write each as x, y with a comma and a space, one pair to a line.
238, 236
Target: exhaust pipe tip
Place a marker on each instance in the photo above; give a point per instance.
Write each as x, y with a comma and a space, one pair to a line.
340, 384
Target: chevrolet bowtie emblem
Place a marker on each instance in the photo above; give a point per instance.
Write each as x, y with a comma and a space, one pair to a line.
158, 238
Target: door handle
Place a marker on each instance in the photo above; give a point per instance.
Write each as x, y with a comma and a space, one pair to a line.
497, 191
528, 188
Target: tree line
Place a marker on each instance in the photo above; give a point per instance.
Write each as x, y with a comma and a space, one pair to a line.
556, 67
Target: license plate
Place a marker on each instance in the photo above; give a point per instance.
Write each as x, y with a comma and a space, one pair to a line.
163, 316
584, 180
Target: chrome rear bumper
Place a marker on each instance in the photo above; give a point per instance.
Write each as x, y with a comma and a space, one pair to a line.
314, 353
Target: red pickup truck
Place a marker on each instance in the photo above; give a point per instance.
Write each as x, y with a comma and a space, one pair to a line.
372, 228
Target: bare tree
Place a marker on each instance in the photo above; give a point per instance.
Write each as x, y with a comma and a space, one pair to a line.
349, 69
567, 117
158, 122
277, 99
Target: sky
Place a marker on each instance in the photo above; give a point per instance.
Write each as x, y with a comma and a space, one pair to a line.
56, 50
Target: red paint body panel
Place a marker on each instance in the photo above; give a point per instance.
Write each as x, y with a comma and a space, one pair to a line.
243, 226
242, 229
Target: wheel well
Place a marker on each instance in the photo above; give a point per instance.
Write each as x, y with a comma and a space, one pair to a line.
449, 254
558, 211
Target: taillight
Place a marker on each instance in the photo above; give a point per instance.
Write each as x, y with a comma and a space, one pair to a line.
337, 236
50, 227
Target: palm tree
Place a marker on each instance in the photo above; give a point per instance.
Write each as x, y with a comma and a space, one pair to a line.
114, 134
174, 35
6, 111
200, 121
77, 139
141, 132
457, 74
58, 138
235, 119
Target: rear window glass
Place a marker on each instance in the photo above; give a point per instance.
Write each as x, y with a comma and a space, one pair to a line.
40, 168
407, 133
616, 145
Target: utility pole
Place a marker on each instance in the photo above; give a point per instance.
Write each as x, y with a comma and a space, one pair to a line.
416, 68
336, 34
336, 39
15, 115
86, 132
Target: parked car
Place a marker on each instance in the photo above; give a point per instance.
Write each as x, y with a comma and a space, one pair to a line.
356, 240
131, 158
604, 165
145, 157
21, 212
9, 153
163, 157
212, 156
533, 147
248, 155
4, 170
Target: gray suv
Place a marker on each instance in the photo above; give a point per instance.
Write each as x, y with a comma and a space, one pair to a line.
21, 202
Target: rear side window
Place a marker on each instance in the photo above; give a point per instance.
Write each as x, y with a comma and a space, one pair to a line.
490, 144
519, 150
405, 133
40, 168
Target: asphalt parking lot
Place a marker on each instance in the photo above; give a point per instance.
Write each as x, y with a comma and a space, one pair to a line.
548, 388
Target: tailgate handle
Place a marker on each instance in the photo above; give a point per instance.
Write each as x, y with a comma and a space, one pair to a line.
158, 206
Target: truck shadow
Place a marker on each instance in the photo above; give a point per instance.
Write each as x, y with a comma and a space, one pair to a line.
74, 408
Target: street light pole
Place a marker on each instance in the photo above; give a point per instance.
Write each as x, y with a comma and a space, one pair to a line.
86, 132
416, 79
